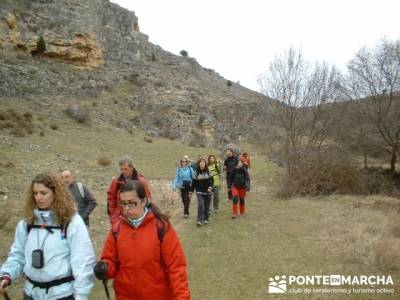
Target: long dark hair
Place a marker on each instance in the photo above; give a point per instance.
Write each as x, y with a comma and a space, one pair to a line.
138, 187
205, 167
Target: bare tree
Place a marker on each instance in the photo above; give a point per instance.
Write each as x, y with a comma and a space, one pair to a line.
374, 81
302, 93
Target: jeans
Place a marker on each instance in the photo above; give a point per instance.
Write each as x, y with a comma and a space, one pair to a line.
185, 200
216, 197
203, 206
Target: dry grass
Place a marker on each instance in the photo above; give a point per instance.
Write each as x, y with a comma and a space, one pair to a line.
228, 259
18, 123
147, 139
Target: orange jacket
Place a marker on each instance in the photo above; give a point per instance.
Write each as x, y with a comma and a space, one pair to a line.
113, 210
143, 267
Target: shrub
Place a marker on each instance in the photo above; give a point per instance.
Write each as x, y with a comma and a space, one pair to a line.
20, 123
78, 113
8, 164
18, 131
7, 124
40, 47
104, 161
28, 116
327, 171
54, 126
41, 133
147, 139
229, 83
184, 53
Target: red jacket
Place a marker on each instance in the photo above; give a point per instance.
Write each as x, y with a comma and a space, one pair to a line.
143, 267
113, 210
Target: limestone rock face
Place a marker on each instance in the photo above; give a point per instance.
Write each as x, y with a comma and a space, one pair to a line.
95, 46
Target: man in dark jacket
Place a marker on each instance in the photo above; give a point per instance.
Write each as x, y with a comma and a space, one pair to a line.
229, 165
85, 201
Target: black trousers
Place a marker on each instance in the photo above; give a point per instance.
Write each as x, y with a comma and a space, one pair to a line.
185, 200
229, 184
26, 297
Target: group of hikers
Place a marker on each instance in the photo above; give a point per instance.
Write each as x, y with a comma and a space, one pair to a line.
142, 253
204, 177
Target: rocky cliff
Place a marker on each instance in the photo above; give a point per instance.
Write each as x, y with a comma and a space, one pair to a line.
95, 47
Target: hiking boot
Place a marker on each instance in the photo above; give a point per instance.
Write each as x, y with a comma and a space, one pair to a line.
206, 221
234, 216
186, 216
199, 224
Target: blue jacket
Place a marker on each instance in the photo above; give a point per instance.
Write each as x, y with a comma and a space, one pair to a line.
182, 174
62, 257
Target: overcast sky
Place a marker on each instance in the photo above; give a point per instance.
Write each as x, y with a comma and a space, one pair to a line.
238, 38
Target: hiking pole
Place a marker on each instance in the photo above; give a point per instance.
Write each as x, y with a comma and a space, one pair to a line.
6, 296
105, 288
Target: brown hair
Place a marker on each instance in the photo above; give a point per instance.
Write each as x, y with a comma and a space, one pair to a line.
63, 205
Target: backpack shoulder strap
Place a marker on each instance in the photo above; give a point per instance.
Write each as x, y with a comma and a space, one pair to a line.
160, 229
115, 229
81, 189
29, 227
49, 228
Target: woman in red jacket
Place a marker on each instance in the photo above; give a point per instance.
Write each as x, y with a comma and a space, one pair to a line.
144, 255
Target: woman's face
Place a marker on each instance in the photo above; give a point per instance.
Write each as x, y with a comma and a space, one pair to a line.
212, 159
44, 197
239, 164
132, 207
184, 162
202, 164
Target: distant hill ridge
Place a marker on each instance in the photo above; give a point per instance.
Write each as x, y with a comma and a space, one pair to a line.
95, 47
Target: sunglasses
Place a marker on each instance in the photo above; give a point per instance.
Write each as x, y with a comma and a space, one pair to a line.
130, 204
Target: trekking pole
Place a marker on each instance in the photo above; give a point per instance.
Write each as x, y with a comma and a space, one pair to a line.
6, 296
105, 289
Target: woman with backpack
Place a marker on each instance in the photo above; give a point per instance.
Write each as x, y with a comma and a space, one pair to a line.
215, 171
183, 181
143, 253
51, 246
202, 184
240, 180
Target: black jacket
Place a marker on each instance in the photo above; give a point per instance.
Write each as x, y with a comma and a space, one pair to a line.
202, 182
230, 163
239, 178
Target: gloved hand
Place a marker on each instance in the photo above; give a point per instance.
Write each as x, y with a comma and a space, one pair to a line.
100, 270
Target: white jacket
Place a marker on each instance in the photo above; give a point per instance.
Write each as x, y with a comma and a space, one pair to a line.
62, 257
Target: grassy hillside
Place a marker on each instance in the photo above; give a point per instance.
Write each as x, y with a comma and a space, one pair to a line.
227, 259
